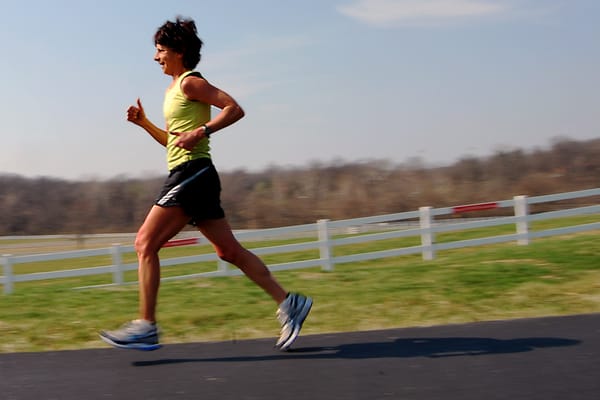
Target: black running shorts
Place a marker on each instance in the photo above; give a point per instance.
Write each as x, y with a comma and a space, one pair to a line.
194, 186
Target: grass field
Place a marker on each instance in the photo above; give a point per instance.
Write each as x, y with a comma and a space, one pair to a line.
552, 276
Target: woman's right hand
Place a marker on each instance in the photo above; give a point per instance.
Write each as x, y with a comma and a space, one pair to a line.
136, 114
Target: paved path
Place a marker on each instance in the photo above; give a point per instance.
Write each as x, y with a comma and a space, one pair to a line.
542, 358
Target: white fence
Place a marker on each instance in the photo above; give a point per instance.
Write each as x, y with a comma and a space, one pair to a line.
424, 221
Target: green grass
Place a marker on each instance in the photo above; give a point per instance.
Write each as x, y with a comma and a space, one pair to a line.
551, 276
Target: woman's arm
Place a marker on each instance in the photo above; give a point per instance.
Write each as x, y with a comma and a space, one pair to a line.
137, 115
198, 89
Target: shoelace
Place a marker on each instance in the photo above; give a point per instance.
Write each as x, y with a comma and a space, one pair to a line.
132, 327
282, 316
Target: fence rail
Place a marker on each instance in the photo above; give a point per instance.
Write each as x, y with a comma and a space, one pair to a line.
425, 220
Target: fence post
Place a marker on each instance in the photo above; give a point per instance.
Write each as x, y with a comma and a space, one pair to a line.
427, 235
522, 213
117, 261
325, 244
8, 274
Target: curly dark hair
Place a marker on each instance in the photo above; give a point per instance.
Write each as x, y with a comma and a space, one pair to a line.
181, 36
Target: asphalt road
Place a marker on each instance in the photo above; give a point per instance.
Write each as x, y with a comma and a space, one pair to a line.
541, 358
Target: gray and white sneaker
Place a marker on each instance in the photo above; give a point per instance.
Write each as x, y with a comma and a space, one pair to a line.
291, 314
138, 334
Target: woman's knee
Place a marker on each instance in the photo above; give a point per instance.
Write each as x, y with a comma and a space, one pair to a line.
246, 261
233, 253
229, 254
144, 245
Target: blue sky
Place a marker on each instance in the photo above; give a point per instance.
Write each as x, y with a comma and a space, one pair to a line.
320, 80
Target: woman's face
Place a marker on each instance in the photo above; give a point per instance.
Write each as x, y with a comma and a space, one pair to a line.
169, 61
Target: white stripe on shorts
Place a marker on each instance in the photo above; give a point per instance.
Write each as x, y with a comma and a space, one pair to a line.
173, 192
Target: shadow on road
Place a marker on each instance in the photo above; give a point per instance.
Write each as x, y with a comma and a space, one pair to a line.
409, 347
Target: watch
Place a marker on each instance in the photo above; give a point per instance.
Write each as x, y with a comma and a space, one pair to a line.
207, 130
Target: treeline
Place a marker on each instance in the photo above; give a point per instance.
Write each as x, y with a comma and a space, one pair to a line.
288, 196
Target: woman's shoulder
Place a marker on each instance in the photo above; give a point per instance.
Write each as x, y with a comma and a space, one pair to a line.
192, 79
193, 82
196, 88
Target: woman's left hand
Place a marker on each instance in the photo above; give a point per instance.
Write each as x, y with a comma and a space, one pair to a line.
187, 140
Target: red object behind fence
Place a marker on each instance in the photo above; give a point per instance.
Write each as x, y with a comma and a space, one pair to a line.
474, 207
181, 242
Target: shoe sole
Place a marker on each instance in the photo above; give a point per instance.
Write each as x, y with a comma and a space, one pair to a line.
132, 346
296, 331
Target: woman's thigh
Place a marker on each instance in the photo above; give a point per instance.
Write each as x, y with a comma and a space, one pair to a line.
160, 225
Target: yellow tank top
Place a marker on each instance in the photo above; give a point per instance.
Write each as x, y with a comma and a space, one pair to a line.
183, 115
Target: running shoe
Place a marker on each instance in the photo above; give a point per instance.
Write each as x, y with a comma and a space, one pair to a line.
137, 334
291, 314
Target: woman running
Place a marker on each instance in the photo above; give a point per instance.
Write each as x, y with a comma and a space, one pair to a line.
191, 192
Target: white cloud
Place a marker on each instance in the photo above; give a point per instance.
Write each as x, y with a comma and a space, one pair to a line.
398, 12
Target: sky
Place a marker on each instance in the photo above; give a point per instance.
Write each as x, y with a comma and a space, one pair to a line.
320, 81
